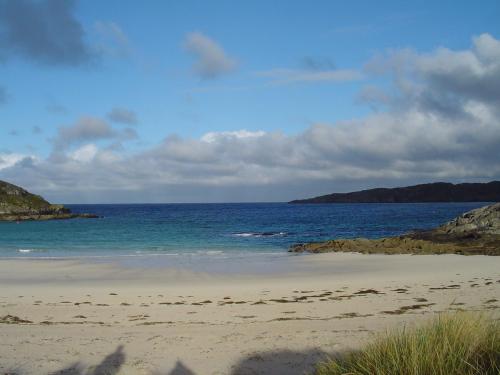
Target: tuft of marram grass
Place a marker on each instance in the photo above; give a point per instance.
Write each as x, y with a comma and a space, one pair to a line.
450, 344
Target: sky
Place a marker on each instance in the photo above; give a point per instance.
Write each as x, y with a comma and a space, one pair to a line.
124, 101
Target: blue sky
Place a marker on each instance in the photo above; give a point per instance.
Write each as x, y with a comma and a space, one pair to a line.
179, 70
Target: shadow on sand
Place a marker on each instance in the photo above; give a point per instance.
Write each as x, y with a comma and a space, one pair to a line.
109, 365
284, 362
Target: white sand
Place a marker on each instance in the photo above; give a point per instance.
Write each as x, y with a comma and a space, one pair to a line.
172, 321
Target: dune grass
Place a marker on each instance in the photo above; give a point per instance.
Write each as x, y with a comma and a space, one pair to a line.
450, 344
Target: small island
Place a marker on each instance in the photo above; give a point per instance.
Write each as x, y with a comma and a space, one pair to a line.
17, 204
423, 193
473, 233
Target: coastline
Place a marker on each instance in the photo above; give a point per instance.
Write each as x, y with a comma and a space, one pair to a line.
164, 317
472, 233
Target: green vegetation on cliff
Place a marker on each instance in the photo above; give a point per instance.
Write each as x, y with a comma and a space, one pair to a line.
14, 199
18, 204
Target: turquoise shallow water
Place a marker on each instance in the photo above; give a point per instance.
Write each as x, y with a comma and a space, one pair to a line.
214, 230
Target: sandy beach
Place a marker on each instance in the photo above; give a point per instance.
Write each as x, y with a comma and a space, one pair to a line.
249, 188
78, 316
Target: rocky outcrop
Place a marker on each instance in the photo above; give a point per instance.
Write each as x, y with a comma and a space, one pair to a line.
484, 221
435, 192
475, 232
17, 204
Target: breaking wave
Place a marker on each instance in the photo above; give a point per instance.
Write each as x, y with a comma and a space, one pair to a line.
260, 234
26, 250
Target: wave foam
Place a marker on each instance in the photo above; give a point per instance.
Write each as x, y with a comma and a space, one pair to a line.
214, 252
26, 250
260, 234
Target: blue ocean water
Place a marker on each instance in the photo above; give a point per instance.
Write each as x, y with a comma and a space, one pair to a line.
212, 229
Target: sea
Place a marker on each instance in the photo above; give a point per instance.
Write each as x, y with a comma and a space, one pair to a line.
204, 232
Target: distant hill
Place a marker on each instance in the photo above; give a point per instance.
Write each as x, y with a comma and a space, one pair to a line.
435, 192
17, 204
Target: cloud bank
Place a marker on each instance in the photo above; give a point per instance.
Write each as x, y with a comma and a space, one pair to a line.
439, 120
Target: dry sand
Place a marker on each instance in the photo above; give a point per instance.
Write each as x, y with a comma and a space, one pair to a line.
79, 317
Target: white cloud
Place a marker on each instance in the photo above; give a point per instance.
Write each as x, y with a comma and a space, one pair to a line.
9, 160
85, 153
211, 59
239, 134
444, 80
488, 48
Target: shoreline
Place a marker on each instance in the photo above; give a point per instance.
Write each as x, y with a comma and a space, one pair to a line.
81, 312
156, 267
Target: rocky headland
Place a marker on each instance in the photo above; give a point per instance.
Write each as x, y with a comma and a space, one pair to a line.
17, 204
474, 232
434, 192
